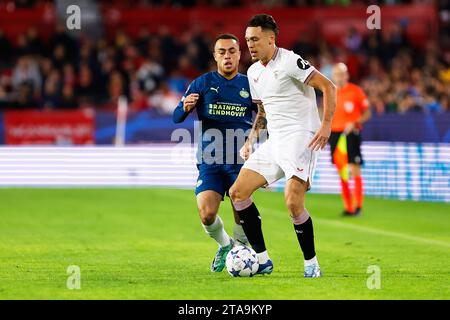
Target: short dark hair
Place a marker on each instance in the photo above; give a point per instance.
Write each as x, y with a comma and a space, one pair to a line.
226, 36
265, 21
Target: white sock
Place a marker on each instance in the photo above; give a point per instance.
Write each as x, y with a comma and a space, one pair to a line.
262, 257
239, 234
311, 261
217, 232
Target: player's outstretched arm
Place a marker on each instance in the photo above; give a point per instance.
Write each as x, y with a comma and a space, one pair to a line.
259, 124
322, 83
186, 105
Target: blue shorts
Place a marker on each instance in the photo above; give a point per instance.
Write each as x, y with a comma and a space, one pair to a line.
216, 177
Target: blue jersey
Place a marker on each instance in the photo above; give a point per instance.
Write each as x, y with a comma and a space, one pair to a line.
223, 104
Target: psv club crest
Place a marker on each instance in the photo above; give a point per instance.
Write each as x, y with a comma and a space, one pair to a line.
244, 94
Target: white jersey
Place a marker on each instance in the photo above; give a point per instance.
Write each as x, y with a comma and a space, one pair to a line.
281, 86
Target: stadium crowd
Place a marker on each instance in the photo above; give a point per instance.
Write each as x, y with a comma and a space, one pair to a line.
252, 3
153, 70
220, 3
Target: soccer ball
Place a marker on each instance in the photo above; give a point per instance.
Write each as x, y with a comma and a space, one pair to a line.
242, 262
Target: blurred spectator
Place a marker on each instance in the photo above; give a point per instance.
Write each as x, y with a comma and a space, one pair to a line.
5, 91
35, 44
139, 97
431, 103
5, 50
186, 68
397, 38
304, 46
69, 75
444, 101
61, 37
88, 57
46, 67
326, 64
116, 88
167, 45
143, 40
86, 90
68, 99
52, 90
353, 40
165, 100
371, 45
27, 71
25, 97
59, 57
177, 82
23, 47
149, 75
408, 103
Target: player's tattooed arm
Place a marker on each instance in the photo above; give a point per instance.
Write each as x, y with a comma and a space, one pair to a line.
259, 124
260, 120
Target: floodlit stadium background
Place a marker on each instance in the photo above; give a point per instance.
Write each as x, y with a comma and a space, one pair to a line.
59, 88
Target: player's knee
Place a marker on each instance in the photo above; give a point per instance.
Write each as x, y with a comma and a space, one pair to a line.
208, 219
207, 215
295, 209
237, 195
241, 200
295, 206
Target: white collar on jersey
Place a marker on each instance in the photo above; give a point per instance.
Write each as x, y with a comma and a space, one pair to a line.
275, 54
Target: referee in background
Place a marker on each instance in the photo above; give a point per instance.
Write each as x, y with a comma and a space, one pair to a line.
352, 111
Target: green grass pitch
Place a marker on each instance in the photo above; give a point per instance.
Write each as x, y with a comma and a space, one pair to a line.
149, 244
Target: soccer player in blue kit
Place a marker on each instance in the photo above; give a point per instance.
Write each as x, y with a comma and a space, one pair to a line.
223, 102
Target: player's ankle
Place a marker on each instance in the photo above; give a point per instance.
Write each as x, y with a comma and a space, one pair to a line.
311, 261
263, 257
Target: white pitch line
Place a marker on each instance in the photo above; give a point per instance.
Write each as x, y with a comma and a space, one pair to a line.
375, 231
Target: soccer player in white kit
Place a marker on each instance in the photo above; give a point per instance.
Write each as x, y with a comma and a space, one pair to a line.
282, 84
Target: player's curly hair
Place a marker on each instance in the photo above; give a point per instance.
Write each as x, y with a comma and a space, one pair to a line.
265, 21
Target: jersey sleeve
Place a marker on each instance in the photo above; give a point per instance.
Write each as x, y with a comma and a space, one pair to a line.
179, 115
298, 68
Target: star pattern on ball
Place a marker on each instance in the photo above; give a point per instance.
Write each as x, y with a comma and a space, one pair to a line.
249, 264
235, 273
247, 249
242, 262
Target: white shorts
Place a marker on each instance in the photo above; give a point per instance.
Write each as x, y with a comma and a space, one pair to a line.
277, 158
